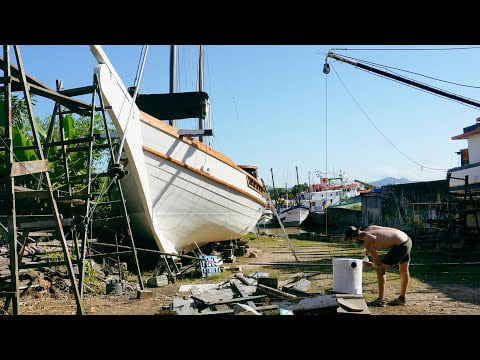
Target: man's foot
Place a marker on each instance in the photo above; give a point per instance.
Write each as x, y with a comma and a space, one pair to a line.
400, 301
377, 303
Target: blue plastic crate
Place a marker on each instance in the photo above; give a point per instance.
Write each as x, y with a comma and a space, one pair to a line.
209, 265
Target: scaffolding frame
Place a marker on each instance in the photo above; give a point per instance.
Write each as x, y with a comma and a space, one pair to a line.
452, 214
80, 208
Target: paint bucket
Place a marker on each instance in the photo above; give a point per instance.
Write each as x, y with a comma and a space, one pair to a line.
347, 276
114, 287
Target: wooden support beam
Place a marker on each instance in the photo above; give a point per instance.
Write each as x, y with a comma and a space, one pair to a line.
28, 167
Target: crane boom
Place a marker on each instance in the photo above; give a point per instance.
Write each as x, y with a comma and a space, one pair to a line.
405, 80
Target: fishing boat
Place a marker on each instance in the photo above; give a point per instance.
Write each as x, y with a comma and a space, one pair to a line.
469, 161
332, 191
180, 193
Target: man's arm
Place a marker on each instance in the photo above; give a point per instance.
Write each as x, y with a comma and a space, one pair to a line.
370, 248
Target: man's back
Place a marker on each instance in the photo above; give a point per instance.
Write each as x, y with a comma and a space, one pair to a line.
384, 237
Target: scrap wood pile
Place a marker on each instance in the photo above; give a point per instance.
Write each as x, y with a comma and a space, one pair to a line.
53, 281
257, 294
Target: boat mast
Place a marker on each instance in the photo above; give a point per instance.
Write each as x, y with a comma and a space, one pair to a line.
297, 200
200, 84
173, 75
274, 191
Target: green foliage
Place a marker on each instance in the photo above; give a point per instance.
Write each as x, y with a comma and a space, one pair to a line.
68, 126
19, 139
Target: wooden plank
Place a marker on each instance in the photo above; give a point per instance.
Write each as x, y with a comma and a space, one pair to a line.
274, 292
28, 167
349, 305
244, 280
352, 304
32, 194
296, 292
302, 285
246, 298
237, 287
311, 304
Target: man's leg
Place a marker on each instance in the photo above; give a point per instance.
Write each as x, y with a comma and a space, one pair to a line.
382, 279
404, 277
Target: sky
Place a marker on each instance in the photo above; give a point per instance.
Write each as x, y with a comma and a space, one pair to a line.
273, 107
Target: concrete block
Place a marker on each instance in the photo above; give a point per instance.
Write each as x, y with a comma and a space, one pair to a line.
144, 294
157, 281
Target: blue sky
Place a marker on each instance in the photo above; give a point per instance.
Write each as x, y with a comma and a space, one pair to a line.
273, 107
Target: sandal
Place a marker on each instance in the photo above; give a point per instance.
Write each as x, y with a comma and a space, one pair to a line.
377, 303
397, 302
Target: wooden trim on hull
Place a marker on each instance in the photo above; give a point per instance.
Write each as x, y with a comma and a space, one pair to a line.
152, 121
203, 173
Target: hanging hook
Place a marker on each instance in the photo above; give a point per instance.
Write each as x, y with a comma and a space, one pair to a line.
326, 67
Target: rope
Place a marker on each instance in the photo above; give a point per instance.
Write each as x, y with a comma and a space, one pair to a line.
136, 84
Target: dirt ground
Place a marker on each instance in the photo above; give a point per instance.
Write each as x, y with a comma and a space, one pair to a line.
423, 298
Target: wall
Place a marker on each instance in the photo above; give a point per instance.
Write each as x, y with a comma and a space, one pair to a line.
474, 148
404, 205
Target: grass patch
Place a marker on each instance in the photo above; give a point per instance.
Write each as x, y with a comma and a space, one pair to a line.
438, 268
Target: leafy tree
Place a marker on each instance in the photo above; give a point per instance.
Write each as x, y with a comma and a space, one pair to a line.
74, 127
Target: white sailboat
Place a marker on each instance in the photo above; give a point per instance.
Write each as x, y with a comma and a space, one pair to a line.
180, 192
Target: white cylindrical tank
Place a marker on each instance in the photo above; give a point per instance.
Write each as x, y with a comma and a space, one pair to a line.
347, 276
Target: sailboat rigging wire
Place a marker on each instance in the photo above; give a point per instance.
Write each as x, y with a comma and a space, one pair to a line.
410, 72
132, 105
381, 133
139, 63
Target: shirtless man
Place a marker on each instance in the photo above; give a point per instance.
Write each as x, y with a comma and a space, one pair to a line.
379, 237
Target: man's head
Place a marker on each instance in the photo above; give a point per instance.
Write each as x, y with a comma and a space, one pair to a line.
351, 232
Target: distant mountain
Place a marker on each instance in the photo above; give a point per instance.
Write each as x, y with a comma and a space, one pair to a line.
390, 181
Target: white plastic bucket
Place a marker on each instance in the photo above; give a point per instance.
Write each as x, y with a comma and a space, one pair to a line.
347, 276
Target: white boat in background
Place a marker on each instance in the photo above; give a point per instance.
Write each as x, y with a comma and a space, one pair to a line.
294, 215
469, 160
331, 192
180, 192
267, 219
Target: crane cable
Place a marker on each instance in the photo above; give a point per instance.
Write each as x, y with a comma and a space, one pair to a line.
381, 133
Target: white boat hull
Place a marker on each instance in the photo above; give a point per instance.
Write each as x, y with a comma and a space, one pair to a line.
293, 216
180, 193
